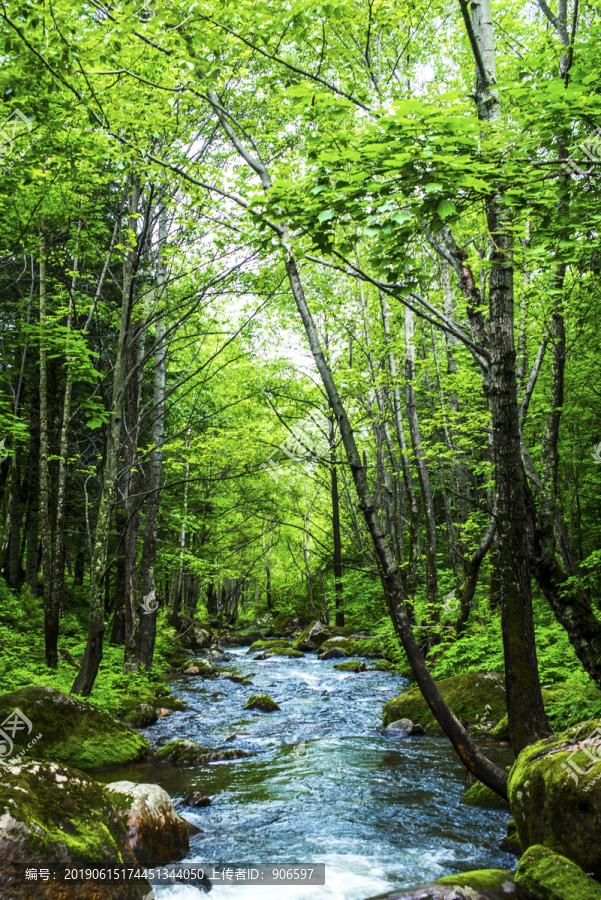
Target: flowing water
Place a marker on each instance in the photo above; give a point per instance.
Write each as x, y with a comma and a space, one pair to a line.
324, 785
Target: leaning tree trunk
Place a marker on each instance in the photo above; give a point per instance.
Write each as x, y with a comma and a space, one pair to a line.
474, 760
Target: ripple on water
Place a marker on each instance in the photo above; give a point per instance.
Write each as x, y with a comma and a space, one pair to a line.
324, 785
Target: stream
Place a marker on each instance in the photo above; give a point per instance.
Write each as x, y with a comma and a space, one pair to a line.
323, 786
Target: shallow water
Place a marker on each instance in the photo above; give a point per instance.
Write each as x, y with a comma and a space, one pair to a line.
324, 785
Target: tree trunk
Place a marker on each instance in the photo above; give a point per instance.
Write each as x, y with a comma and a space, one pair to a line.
527, 718
86, 676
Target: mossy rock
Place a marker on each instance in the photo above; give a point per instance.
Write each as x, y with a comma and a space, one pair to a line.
52, 815
284, 651
481, 795
384, 665
269, 643
340, 642
501, 729
182, 752
262, 702
72, 732
467, 694
174, 703
244, 638
205, 668
541, 873
483, 880
313, 636
402, 669
140, 715
555, 795
351, 665
177, 659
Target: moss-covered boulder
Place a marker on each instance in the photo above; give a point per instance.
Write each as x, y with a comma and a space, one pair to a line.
541, 873
351, 665
487, 882
205, 668
52, 815
72, 732
244, 638
189, 753
314, 636
268, 644
140, 715
468, 695
284, 625
156, 833
262, 702
481, 795
334, 653
483, 884
283, 651
555, 795
339, 642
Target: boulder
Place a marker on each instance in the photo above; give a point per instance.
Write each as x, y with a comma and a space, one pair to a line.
543, 873
242, 638
283, 651
217, 656
262, 702
481, 795
468, 695
334, 653
268, 644
71, 732
314, 636
189, 753
192, 635
52, 815
202, 667
352, 665
339, 642
156, 833
284, 625
197, 799
484, 884
402, 728
141, 715
555, 795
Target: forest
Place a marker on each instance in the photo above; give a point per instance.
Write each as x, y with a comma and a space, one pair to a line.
299, 397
